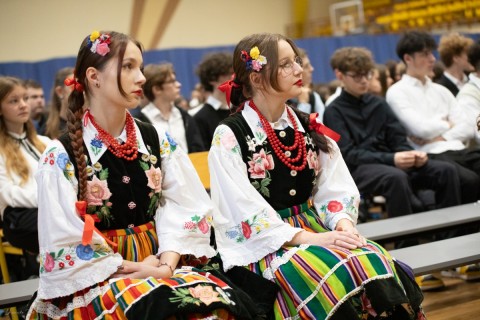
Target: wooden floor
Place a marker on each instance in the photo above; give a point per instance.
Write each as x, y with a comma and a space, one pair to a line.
459, 300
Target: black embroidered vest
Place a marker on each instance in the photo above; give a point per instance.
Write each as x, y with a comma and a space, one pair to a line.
131, 202
281, 187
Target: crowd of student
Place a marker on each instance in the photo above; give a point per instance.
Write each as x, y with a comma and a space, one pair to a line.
126, 224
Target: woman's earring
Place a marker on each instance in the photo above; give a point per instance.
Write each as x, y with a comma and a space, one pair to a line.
97, 84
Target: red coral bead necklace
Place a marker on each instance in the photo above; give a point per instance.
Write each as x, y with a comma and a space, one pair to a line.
278, 147
128, 150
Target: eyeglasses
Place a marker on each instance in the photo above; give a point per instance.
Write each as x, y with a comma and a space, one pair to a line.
287, 66
360, 76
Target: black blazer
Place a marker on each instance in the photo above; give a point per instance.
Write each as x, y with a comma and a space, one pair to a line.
447, 83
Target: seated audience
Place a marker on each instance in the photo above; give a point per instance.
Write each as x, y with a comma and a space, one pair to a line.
375, 147
429, 112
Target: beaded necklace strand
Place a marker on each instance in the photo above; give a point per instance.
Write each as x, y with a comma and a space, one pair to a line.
279, 148
128, 150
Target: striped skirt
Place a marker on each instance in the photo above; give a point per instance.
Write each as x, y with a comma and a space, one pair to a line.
189, 294
319, 283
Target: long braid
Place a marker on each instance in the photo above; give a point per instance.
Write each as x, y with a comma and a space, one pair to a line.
75, 133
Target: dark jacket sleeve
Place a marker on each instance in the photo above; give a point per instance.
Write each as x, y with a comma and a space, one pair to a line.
354, 152
396, 135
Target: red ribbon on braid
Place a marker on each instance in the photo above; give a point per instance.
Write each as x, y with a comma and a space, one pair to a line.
73, 82
89, 225
321, 128
227, 86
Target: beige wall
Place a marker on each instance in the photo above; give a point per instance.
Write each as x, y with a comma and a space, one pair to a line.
34, 30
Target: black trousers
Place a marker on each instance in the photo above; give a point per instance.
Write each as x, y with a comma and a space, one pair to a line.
20, 228
398, 186
467, 163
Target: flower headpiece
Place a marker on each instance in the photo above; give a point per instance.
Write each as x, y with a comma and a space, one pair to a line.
254, 60
98, 43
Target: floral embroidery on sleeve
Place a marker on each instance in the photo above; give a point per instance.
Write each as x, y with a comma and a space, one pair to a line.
167, 145
65, 258
243, 231
258, 167
198, 223
227, 139
348, 205
154, 177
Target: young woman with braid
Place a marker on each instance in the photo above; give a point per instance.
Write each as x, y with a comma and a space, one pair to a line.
287, 203
20, 149
120, 204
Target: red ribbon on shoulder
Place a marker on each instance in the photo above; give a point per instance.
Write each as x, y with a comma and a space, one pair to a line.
321, 128
89, 226
227, 86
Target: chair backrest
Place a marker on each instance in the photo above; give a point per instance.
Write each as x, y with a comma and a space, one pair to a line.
200, 162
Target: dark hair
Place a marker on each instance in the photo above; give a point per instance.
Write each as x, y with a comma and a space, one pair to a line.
382, 78
354, 59
156, 75
474, 55
86, 59
414, 41
267, 44
53, 120
213, 66
30, 83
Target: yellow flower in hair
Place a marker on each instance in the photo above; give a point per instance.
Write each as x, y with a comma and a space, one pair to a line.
94, 35
254, 53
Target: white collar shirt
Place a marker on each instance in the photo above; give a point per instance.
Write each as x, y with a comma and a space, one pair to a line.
458, 83
173, 125
429, 110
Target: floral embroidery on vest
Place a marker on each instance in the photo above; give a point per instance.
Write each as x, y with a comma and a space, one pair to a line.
243, 231
154, 176
98, 194
259, 165
200, 294
67, 257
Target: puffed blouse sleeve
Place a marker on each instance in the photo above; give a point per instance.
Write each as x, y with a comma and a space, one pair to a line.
336, 195
184, 217
66, 265
246, 227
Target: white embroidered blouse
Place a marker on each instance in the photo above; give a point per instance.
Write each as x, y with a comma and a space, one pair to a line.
238, 201
61, 229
